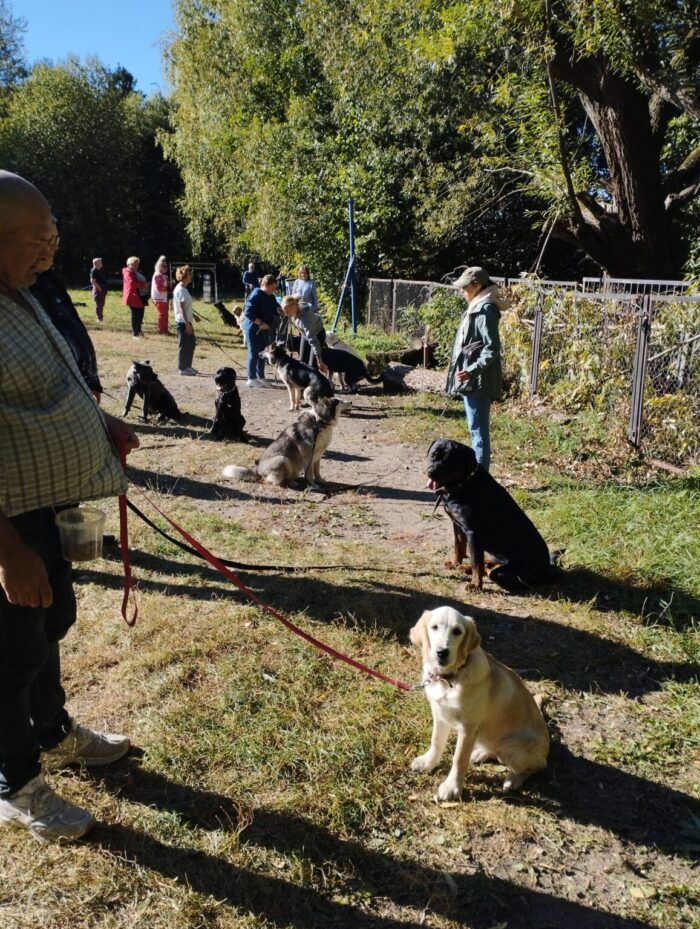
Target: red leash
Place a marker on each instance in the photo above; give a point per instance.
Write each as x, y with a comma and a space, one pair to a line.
230, 576
124, 546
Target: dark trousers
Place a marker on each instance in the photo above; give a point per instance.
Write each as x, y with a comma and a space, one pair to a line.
185, 347
136, 319
306, 353
98, 298
33, 716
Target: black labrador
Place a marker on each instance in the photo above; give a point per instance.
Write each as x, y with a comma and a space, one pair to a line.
143, 381
228, 419
485, 518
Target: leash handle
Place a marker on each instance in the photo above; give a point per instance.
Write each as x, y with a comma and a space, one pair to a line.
124, 545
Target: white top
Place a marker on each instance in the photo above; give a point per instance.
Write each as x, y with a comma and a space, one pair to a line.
182, 305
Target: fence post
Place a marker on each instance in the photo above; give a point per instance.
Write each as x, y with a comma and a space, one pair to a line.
369, 304
639, 372
393, 306
536, 341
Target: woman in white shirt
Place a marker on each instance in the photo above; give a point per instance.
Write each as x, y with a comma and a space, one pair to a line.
305, 289
184, 316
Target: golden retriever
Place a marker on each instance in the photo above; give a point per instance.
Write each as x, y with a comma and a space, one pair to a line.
495, 716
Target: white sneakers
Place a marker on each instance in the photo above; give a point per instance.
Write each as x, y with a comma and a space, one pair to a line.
252, 382
83, 746
189, 372
37, 808
44, 814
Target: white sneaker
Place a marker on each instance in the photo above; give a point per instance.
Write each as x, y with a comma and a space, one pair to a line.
251, 382
37, 808
83, 746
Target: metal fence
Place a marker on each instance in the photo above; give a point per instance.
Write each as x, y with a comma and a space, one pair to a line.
628, 348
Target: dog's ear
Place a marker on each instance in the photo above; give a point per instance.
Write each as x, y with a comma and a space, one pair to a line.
471, 640
419, 633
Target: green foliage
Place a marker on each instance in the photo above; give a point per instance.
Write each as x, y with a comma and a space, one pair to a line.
12, 51
87, 140
441, 316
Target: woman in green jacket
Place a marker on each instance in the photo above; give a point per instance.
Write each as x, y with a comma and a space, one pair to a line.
475, 373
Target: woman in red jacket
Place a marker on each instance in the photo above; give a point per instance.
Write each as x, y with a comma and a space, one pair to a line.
131, 294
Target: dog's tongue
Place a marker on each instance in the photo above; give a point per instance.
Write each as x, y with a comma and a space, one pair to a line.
431, 485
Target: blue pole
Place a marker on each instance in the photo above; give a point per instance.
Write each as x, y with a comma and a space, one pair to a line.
353, 280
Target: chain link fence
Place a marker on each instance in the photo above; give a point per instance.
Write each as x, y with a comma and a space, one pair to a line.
630, 349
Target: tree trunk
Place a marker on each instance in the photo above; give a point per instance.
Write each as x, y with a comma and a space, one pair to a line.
629, 235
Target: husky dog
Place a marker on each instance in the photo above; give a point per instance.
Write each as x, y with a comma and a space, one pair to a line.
298, 378
141, 379
228, 419
297, 450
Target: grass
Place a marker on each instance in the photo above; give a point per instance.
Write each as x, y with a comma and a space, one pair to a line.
270, 787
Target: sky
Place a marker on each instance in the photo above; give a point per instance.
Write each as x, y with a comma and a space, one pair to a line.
126, 32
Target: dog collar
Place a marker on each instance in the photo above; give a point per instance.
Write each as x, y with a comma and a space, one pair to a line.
444, 678
442, 491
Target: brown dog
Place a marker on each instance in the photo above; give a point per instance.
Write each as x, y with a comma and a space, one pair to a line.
495, 716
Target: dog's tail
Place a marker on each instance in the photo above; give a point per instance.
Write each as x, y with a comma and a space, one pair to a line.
241, 474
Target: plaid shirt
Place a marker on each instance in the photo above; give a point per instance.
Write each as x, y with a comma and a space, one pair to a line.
54, 445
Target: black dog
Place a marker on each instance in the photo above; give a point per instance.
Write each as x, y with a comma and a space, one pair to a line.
141, 379
485, 518
349, 368
228, 420
227, 317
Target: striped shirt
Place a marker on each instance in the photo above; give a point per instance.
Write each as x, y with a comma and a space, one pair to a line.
54, 445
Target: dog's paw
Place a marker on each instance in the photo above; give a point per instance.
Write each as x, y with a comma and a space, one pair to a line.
480, 756
451, 565
424, 763
449, 790
514, 781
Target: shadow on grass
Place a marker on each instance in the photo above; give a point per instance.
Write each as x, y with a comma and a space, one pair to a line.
539, 648
656, 602
476, 900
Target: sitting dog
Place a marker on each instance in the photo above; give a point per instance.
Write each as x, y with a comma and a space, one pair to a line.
349, 368
228, 419
485, 518
227, 317
141, 379
297, 450
298, 378
495, 716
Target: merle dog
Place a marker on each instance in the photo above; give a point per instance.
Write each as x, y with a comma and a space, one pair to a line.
228, 420
141, 379
486, 518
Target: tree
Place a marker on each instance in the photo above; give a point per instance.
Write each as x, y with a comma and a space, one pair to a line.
88, 141
599, 102
12, 55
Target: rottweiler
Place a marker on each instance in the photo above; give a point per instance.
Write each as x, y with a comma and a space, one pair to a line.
141, 379
485, 518
228, 419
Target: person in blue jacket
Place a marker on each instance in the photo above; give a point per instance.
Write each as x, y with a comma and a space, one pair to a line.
259, 321
250, 280
475, 373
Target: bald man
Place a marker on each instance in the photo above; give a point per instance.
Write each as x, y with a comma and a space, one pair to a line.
56, 448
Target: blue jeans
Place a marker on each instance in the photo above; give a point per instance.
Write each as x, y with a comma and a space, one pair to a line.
478, 410
185, 347
33, 716
257, 341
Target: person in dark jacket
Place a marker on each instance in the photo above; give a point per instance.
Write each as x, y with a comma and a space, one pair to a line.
51, 293
475, 373
98, 286
259, 320
250, 279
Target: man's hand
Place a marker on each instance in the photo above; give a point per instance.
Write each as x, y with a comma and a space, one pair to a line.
117, 428
189, 329
23, 577
323, 368
463, 376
